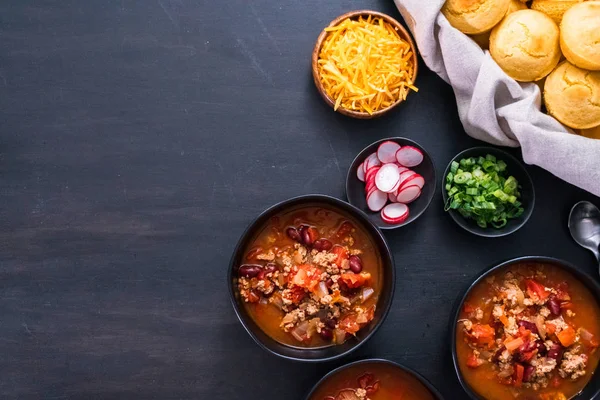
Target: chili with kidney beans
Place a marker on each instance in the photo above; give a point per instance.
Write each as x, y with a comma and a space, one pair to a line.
372, 381
310, 278
530, 331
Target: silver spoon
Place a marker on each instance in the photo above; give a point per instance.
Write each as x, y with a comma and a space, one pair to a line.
584, 224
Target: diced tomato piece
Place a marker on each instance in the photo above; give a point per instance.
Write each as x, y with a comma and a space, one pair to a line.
353, 280
349, 324
523, 332
483, 334
307, 276
341, 253
473, 361
567, 336
550, 328
518, 377
296, 294
536, 288
527, 356
253, 297
468, 308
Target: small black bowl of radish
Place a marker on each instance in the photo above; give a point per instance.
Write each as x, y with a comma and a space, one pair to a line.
392, 181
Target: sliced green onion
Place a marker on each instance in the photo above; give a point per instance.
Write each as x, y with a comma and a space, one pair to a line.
478, 188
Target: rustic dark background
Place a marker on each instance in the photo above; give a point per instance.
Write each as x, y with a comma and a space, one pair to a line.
139, 138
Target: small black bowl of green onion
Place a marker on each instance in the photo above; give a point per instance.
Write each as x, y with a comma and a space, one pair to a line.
488, 192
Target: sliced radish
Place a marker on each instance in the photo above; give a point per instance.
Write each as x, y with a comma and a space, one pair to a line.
370, 192
392, 197
415, 179
387, 178
408, 194
409, 156
360, 172
370, 185
372, 161
394, 213
386, 152
376, 200
396, 187
405, 175
371, 172
401, 168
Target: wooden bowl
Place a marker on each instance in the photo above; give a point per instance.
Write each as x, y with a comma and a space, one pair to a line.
315, 58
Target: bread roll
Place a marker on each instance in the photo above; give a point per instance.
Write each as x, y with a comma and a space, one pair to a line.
475, 16
580, 35
572, 96
555, 9
516, 5
482, 39
592, 133
526, 45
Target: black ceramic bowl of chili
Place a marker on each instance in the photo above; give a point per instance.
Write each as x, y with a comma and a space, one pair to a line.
375, 379
294, 246
551, 291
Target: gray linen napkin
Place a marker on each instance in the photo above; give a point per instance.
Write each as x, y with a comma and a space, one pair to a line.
494, 107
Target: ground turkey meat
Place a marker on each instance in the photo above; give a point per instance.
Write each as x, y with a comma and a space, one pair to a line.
573, 365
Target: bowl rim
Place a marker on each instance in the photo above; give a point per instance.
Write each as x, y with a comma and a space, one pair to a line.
408, 370
586, 279
404, 34
350, 175
490, 233
354, 212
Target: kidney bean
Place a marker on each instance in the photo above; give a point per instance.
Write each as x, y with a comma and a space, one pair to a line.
528, 346
302, 230
556, 351
249, 270
528, 325
309, 235
330, 323
322, 245
271, 267
554, 306
496, 355
293, 234
329, 283
326, 334
528, 373
355, 264
541, 347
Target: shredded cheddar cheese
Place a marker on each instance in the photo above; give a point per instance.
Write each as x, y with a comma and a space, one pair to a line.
365, 66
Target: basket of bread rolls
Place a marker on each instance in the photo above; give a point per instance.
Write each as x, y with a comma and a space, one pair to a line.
555, 43
525, 73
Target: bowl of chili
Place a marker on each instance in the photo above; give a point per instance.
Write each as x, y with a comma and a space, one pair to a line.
375, 379
528, 328
311, 279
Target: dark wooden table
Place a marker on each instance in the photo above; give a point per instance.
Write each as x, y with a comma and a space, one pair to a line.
139, 138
